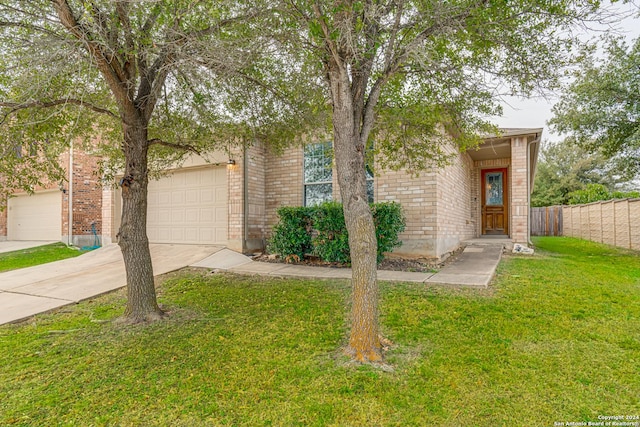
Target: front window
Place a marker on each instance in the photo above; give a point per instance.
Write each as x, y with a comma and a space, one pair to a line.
318, 173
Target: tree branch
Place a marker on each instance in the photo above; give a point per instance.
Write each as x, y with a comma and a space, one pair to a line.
110, 68
183, 147
16, 106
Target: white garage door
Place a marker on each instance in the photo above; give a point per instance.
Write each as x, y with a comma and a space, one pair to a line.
189, 207
35, 217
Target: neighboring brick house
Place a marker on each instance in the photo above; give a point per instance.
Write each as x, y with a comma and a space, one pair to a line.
233, 201
46, 214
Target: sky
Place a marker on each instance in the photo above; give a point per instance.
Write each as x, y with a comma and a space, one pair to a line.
534, 113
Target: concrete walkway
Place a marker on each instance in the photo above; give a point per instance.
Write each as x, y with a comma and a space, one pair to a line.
475, 267
10, 246
38, 289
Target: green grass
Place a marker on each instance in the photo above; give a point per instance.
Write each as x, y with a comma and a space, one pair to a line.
556, 339
36, 256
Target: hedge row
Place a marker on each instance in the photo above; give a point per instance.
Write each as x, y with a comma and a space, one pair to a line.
321, 231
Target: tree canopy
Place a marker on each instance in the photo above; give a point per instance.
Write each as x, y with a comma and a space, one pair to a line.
413, 77
198, 72
601, 107
168, 77
564, 167
154, 80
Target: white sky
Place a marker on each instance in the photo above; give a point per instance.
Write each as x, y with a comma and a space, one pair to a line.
534, 113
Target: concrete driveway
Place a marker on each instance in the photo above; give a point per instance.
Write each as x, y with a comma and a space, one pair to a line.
34, 290
10, 246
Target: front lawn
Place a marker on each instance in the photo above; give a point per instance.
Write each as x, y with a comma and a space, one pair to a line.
36, 256
555, 340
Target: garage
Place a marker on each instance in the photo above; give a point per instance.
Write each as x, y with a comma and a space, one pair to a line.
35, 217
189, 206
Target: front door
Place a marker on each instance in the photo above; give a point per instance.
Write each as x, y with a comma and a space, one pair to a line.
495, 215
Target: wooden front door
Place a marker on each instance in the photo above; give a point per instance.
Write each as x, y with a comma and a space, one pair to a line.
495, 202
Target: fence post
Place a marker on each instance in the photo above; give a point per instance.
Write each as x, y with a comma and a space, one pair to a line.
601, 224
615, 231
629, 223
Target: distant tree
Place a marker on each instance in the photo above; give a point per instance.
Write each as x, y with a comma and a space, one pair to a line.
597, 192
601, 108
564, 167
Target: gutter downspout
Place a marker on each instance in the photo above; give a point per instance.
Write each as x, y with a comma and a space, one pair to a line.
530, 178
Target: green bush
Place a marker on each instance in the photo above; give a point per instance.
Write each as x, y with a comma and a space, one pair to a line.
321, 230
598, 192
331, 240
389, 223
292, 233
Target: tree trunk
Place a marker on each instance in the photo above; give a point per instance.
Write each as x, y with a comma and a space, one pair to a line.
349, 146
141, 293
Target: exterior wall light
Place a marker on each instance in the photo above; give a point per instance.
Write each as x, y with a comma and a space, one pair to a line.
231, 162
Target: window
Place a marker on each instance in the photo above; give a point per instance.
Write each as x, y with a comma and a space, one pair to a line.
318, 173
368, 170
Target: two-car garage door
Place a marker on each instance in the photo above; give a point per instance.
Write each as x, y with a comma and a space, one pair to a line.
35, 217
189, 206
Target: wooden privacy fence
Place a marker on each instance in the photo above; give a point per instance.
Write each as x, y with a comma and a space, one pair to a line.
546, 221
613, 222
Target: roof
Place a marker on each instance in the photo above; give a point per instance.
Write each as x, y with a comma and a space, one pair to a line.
509, 132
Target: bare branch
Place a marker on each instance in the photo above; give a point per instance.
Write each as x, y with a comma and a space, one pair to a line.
110, 67
331, 45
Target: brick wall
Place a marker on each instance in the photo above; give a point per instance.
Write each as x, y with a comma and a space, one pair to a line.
110, 212
519, 191
418, 198
256, 211
456, 218
283, 183
86, 200
437, 204
235, 217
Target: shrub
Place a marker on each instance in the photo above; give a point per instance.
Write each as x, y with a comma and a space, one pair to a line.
331, 242
389, 223
322, 230
292, 234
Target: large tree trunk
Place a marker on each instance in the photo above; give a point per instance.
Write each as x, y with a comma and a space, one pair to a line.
141, 294
349, 146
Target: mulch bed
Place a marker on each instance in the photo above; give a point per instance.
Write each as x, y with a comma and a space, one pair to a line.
421, 265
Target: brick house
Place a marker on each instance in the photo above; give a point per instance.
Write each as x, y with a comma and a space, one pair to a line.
47, 213
233, 201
